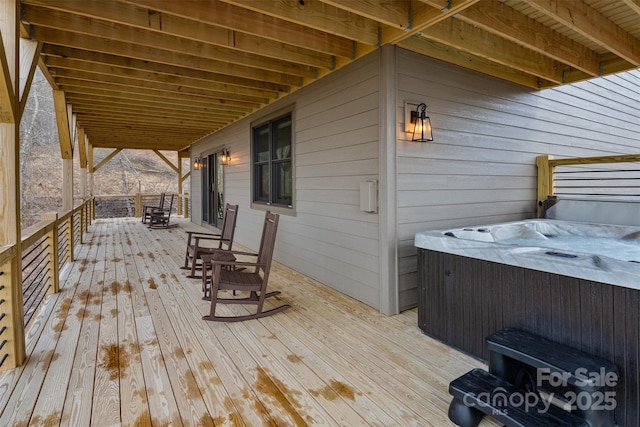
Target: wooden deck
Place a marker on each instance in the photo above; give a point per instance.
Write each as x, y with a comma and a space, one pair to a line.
123, 343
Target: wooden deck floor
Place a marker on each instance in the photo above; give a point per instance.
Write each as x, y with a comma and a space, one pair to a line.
123, 343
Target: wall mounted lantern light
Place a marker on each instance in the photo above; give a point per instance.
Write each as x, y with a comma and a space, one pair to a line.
225, 157
418, 123
197, 163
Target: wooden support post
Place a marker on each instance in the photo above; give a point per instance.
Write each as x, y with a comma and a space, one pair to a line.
90, 168
82, 157
67, 185
10, 229
546, 179
52, 250
183, 197
179, 207
138, 208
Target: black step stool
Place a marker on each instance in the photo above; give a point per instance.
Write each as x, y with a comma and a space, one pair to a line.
478, 393
528, 363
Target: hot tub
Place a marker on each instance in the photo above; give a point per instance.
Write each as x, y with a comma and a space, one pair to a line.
600, 252
571, 282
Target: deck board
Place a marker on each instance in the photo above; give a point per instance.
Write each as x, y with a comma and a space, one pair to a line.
124, 343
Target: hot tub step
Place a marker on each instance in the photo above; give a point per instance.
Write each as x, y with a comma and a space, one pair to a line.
479, 393
581, 370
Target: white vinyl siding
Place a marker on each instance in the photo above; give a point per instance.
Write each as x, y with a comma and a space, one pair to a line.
480, 168
335, 122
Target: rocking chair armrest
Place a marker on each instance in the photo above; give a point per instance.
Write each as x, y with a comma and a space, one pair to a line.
197, 238
241, 253
191, 233
240, 263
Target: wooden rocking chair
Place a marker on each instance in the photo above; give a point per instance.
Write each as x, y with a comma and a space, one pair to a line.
254, 282
195, 249
147, 210
161, 218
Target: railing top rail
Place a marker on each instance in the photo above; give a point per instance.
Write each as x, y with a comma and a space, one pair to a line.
7, 252
66, 215
129, 196
31, 234
627, 158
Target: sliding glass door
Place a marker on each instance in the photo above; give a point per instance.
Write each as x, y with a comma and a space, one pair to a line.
212, 190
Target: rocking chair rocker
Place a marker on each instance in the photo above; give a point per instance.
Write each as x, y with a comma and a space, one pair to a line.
254, 282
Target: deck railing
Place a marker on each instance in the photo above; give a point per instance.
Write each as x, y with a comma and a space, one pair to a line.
115, 206
47, 247
615, 177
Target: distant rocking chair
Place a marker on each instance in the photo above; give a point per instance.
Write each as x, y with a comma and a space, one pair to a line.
195, 249
226, 276
160, 218
147, 210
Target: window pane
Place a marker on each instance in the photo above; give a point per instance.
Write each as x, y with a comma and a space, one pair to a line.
261, 189
283, 183
272, 146
261, 144
282, 138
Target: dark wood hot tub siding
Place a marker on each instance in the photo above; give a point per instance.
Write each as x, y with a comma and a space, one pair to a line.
462, 300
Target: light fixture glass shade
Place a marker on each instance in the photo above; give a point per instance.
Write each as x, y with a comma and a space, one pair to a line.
225, 157
197, 163
422, 124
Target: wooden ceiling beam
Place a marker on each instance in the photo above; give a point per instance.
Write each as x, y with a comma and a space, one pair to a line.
633, 5
103, 132
464, 59
89, 95
161, 56
81, 102
394, 13
140, 142
165, 23
495, 17
254, 23
127, 83
588, 22
150, 119
91, 27
133, 92
423, 17
168, 141
317, 15
164, 69
465, 37
102, 129
59, 65
159, 117
92, 121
